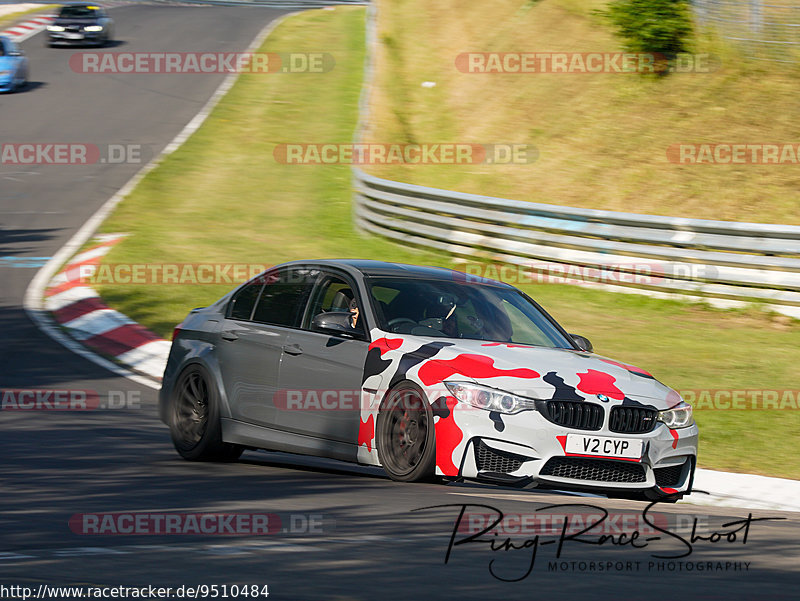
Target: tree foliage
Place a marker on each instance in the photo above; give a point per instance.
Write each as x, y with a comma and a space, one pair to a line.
658, 26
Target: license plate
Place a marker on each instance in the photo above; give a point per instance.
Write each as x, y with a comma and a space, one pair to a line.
578, 444
73, 36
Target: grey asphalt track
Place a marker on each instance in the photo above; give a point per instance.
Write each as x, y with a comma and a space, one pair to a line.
373, 545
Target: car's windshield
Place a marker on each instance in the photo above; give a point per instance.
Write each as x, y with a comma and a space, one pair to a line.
461, 310
79, 12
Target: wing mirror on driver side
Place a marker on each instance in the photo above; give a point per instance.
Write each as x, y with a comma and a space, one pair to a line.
583, 343
335, 322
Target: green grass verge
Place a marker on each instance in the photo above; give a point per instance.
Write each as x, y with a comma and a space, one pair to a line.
223, 198
602, 138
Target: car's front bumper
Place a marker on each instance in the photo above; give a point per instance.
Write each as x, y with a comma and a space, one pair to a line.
527, 449
75, 39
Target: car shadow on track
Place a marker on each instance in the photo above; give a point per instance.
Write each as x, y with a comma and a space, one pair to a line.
109, 46
31, 86
320, 465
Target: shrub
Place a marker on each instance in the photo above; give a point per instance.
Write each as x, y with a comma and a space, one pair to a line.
657, 26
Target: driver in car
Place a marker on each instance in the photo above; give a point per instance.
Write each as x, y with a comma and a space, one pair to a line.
353, 307
345, 301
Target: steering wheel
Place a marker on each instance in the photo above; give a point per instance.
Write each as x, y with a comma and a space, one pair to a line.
394, 323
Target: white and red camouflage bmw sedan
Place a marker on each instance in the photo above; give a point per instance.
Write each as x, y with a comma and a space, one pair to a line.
427, 372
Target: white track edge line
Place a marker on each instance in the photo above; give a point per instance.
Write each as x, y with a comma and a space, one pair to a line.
33, 299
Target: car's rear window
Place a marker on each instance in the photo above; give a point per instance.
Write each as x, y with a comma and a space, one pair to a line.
283, 298
245, 299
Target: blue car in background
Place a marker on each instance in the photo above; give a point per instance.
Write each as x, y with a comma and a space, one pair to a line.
13, 66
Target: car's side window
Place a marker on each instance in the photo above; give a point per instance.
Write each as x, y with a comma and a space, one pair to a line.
283, 299
244, 301
336, 294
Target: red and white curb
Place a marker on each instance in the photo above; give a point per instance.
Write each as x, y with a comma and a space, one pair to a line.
79, 310
21, 32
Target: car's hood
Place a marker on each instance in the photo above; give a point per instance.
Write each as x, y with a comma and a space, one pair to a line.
540, 372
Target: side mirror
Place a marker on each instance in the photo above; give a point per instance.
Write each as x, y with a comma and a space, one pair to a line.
583, 343
335, 322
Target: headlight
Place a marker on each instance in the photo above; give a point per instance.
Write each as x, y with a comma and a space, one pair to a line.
93, 28
55, 28
680, 416
489, 399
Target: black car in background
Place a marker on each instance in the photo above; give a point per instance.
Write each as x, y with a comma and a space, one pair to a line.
81, 23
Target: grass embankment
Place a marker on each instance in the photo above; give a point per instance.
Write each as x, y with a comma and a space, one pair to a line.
223, 198
602, 138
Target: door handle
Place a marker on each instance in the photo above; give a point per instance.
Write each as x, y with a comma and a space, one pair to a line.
292, 349
228, 335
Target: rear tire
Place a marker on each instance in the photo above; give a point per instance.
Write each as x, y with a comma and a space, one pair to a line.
193, 417
405, 435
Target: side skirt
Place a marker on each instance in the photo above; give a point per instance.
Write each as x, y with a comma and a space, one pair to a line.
261, 437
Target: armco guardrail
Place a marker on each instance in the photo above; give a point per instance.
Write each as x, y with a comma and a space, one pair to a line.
718, 260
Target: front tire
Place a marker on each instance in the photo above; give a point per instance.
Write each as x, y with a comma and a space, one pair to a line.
194, 423
405, 435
